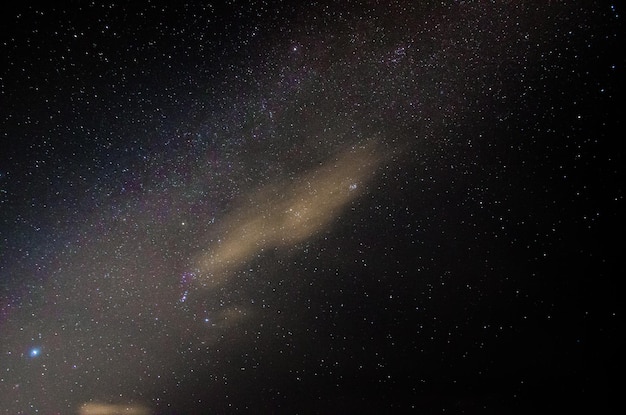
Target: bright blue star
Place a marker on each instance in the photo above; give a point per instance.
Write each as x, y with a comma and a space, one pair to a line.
34, 352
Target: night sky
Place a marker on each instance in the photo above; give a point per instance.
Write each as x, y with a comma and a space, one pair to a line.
311, 207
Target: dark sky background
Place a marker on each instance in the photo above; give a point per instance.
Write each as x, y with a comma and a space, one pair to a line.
330, 207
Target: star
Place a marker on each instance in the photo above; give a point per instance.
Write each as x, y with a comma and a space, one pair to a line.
34, 352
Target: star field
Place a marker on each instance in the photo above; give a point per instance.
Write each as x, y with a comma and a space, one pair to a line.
268, 207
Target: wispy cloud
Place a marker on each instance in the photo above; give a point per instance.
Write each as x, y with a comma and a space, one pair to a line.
289, 211
109, 409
